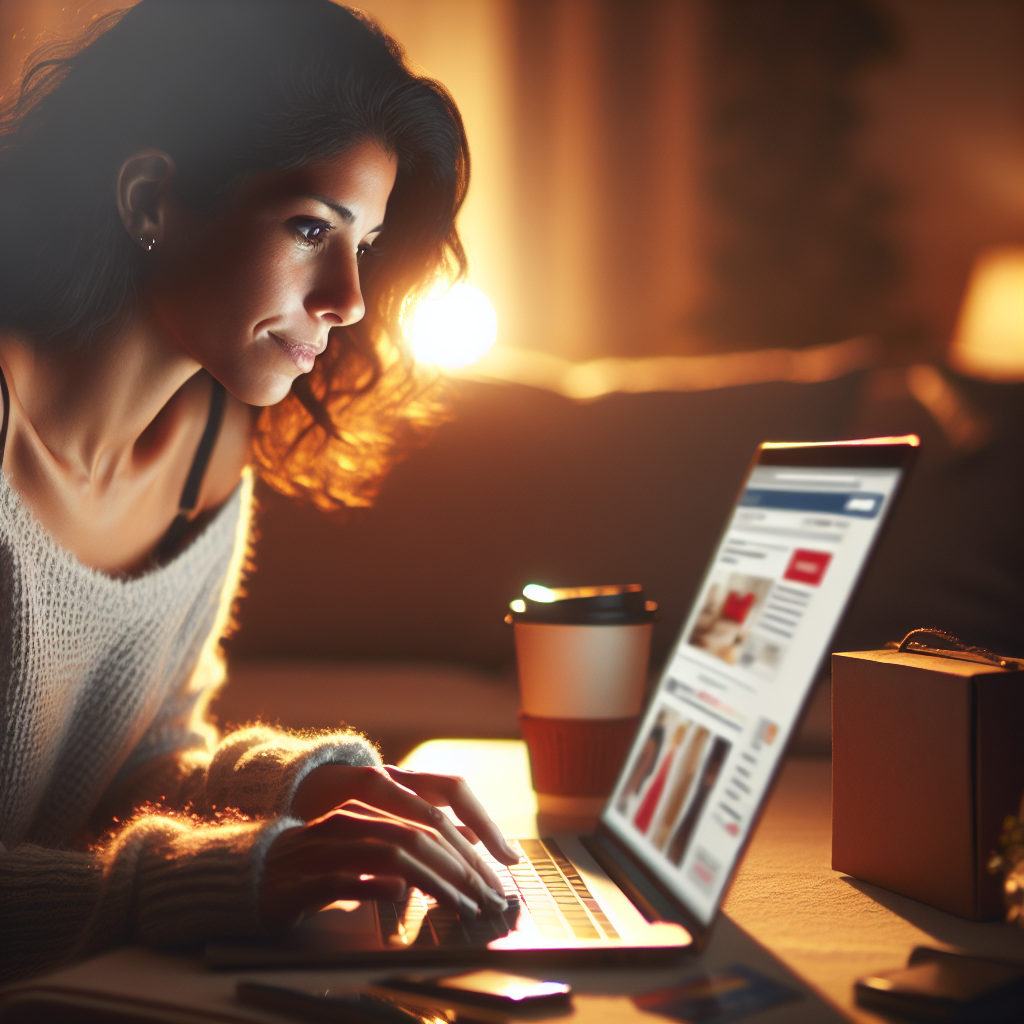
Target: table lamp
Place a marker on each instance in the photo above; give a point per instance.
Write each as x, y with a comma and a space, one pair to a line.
989, 338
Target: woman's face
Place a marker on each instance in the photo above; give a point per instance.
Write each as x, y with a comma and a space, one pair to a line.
253, 291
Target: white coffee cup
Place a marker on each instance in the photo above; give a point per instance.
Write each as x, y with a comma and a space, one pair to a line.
582, 655
579, 671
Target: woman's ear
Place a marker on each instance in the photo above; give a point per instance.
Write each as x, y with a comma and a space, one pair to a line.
143, 190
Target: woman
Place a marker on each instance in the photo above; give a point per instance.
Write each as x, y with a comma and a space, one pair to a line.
211, 215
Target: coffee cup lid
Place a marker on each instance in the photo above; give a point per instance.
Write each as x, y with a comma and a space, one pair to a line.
612, 605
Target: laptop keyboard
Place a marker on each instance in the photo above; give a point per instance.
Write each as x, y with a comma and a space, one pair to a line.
557, 899
544, 883
419, 921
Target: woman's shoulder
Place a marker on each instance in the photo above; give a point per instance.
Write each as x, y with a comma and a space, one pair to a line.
126, 546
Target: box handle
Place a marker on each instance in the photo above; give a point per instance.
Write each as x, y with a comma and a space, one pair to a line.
964, 653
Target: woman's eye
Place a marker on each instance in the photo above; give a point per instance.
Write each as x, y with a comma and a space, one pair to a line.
311, 229
363, 249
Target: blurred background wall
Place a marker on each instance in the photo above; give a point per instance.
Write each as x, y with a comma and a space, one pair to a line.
682, 178
676, 176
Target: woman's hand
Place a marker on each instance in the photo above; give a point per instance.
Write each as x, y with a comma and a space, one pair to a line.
359, 852
414, 796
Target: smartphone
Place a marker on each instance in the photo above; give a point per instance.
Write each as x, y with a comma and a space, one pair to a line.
493, 990
329, 1004
479, 997
940, 986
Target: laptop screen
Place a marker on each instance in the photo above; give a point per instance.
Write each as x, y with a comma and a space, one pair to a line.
734, 686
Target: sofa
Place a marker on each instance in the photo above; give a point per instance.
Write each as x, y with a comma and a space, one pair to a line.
526, 486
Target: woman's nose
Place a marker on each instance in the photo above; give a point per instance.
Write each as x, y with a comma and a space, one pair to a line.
336, 295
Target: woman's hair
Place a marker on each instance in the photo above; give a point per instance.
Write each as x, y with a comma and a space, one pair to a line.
229, 88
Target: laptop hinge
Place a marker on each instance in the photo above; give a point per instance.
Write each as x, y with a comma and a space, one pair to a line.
640, 891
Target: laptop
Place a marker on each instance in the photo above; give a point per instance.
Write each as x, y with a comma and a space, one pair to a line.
647, 884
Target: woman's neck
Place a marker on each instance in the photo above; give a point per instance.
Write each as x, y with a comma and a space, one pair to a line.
96, 407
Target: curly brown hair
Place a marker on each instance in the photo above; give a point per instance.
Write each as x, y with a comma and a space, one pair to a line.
230, 88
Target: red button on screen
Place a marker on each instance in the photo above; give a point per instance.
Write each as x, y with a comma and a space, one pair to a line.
807, 566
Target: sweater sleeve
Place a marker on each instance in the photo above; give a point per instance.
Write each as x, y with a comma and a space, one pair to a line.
255, 771
183, 864
163, 880
183, 763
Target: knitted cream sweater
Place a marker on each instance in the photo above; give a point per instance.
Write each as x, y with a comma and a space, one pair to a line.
104, 686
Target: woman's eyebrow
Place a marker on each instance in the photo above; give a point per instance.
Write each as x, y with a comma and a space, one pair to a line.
342, 211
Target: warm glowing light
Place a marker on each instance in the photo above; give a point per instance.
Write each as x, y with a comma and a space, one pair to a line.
568, 593
547, 595
347, 905
517, 605
453, 327
912, 439
989, 340
597, 377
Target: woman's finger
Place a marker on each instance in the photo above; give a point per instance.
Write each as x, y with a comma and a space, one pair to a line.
456, 839
465, 846
358, 821
303, 856
399, 862
331, 785
453, 791
377, 788
468, 834
418, 840
380, 857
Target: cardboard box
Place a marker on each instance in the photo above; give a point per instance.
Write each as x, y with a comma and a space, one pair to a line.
927, 760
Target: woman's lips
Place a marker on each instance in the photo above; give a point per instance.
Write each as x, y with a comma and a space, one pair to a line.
303, 356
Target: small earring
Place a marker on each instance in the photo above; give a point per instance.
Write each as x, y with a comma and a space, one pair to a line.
147, 246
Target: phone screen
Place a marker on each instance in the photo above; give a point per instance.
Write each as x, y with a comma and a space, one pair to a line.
402, 1000
484, 988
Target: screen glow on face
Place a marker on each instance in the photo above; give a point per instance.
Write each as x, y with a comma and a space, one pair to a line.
742, 667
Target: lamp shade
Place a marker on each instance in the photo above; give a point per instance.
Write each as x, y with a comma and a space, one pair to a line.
989, 338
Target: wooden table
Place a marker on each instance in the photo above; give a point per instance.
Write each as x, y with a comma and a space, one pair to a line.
827, 928
788, 916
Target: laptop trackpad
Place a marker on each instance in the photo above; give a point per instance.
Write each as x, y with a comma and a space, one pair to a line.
337, 929
415, 922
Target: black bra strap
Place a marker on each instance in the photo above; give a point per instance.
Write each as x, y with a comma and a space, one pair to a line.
7, 414
190, 492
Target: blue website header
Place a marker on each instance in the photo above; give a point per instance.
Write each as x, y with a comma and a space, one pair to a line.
865, 506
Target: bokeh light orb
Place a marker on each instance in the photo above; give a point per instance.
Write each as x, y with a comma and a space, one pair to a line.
453, 327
